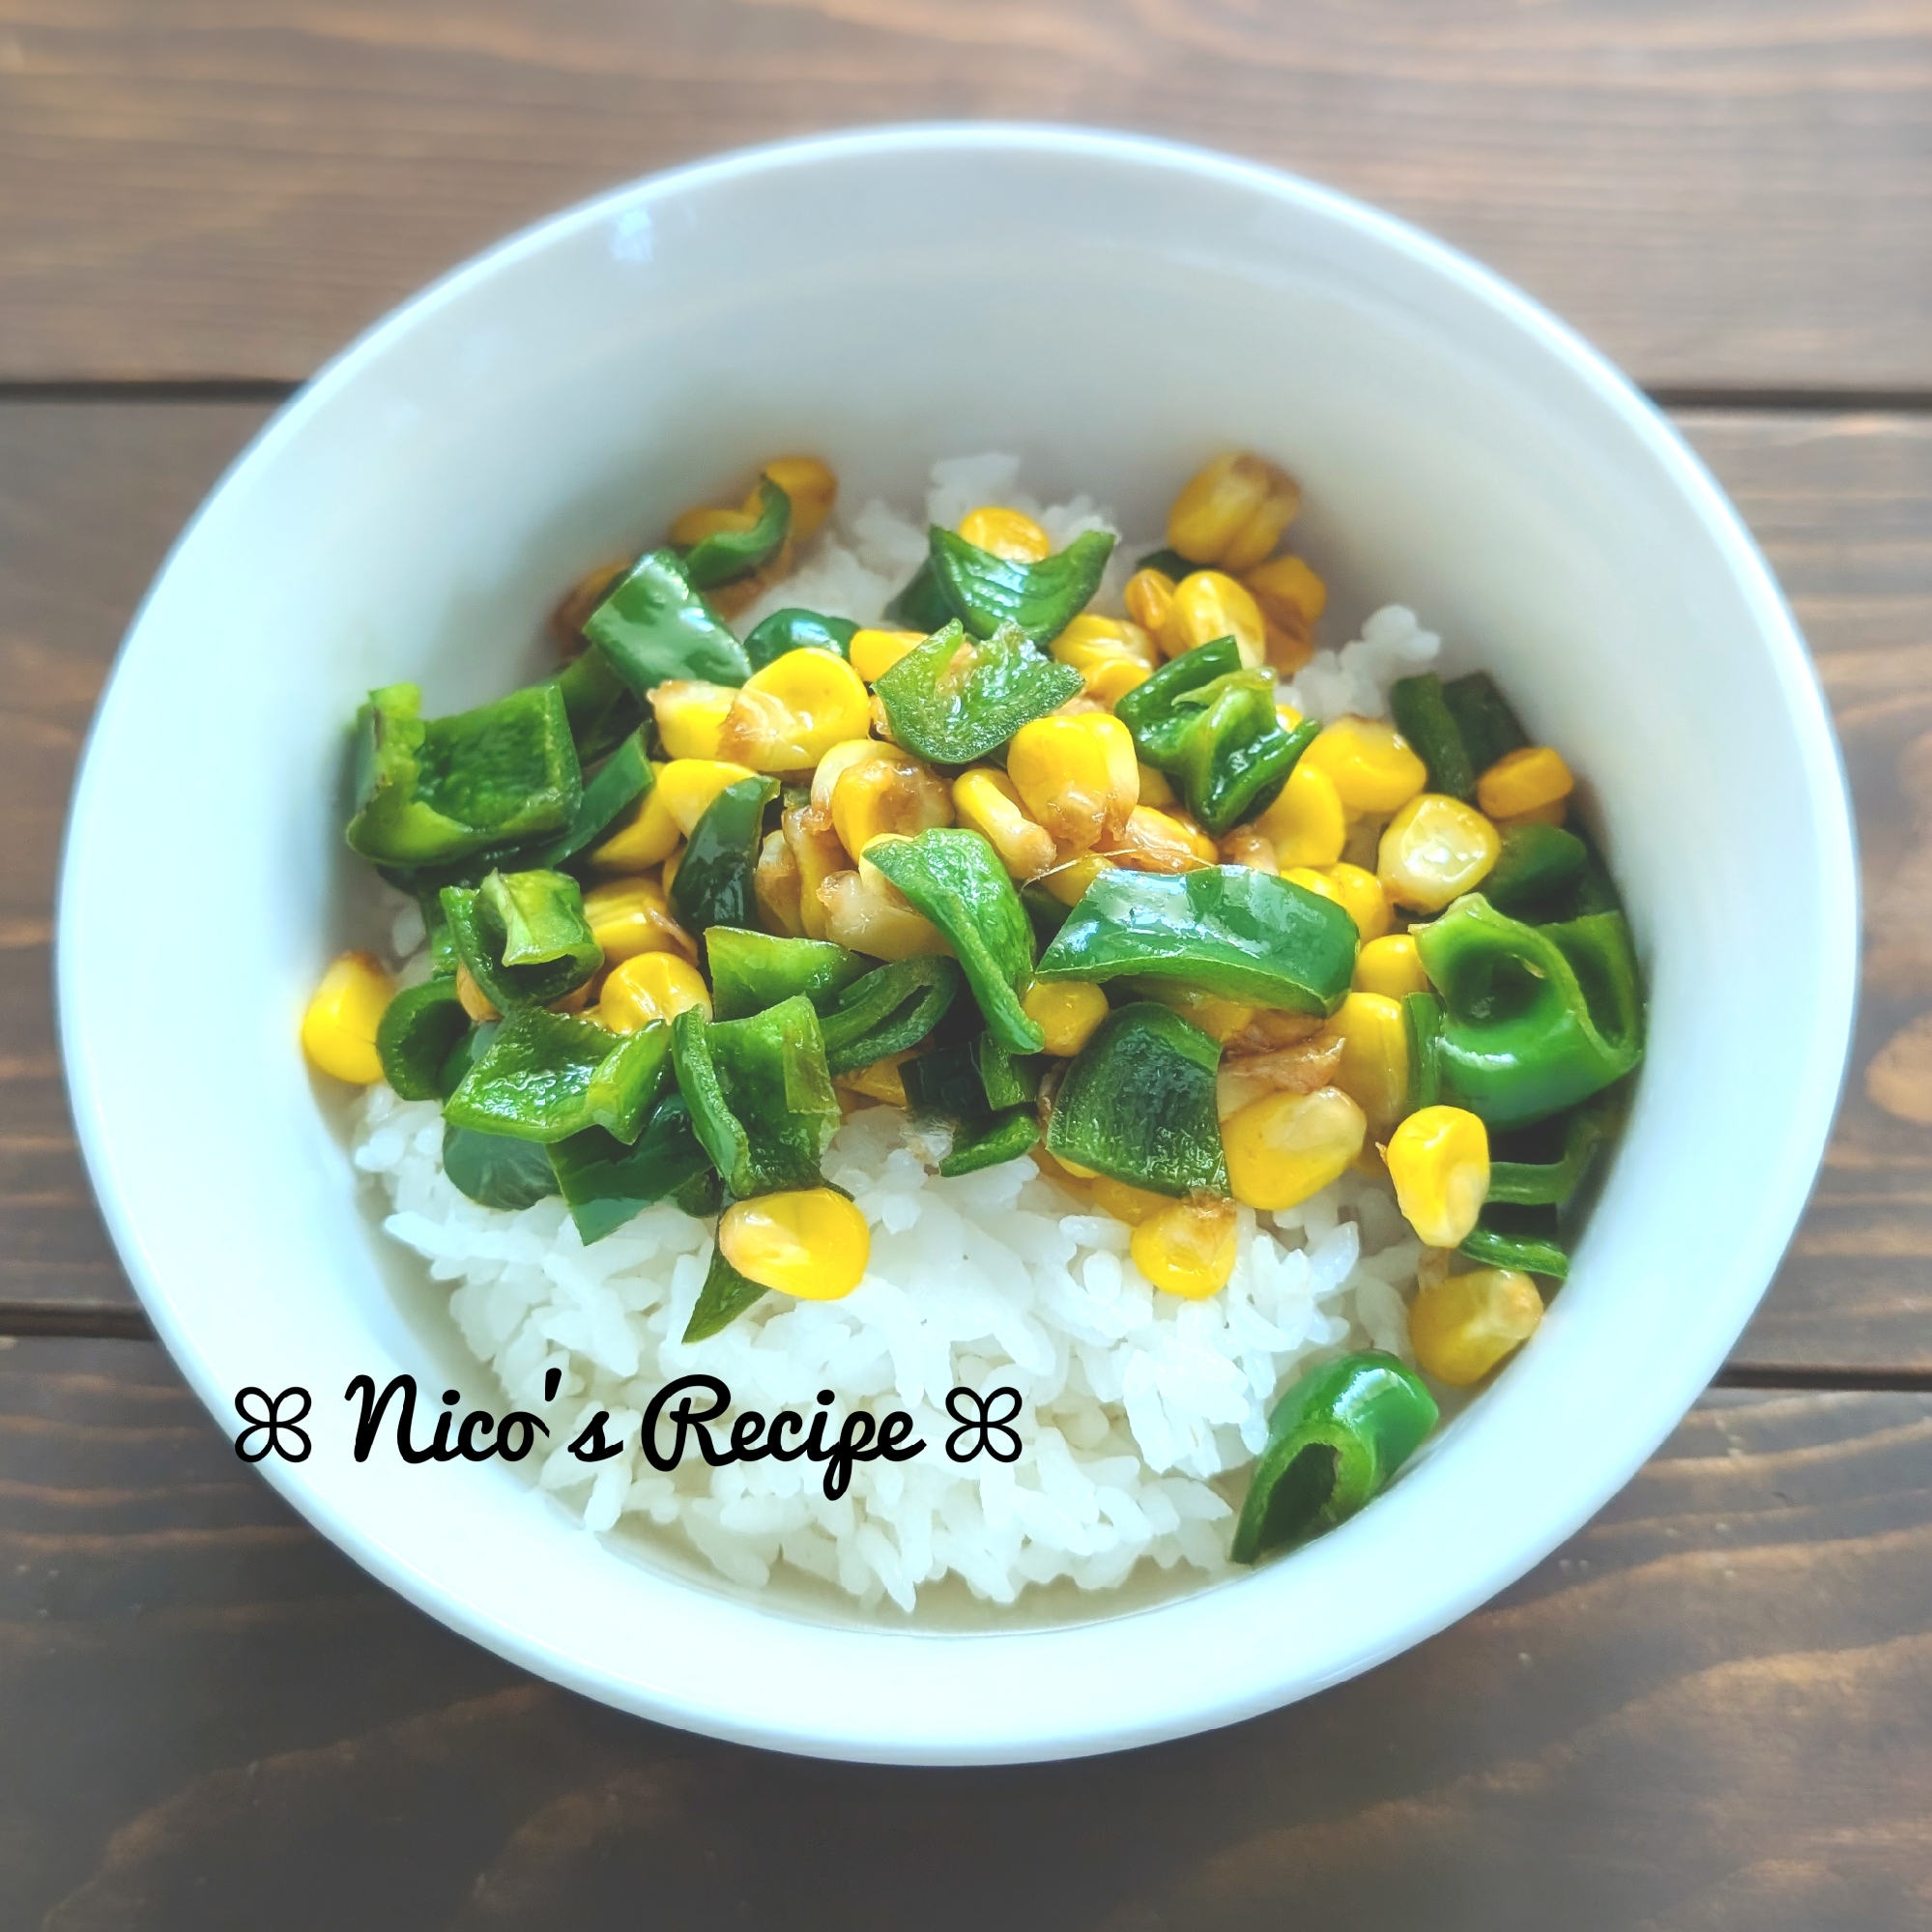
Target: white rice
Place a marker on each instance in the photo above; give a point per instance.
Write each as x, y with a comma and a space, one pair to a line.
1135, 1404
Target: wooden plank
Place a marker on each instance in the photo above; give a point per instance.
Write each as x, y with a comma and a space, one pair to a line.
1737, 192
1710, 1710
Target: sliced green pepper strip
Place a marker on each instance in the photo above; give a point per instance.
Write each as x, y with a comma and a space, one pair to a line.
713, 886
1536, 865
955, 877
1422, 1024
1522, 1237
952, 700
1535, 1018
601, 707
654, 626
798, 630
1137, 1103
987, 593
605, 1184
496, 1171
1169, 562
1423, 716
539, 916
1228, 929
622, 779
415, 1037
760, 1094
889, 1010
753, 970
1009, 1079
1046, 913
432, 790
465, 1054
546, 1077
1333, 1441
1538, 1182
1004, 1137
920, 604
1489, 728
728, 555
982, 1094
724, 1297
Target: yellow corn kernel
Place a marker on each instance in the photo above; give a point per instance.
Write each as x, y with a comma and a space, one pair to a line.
1439, 1161
840, 760
879, 1080
1289, 717
986, 803
867, 913
1391, 966
1010, 535
776, 882
817, 854
667, 871
338, 1027
1370, 762
1373, 1070
691, 716
1077, 776
1068, 1011
573, 1002
1523, 781
695, 524
874, 653
1234, 511
810, 1243
628, 917
1091, 636
1248, 846
1460, 1326
1208, 604
877, 797
472, 998
1069, 879
1306, 823
1149, 597
689, 785
789, 715
1187, 1248
1287, 1146
643, 835
1552, 814
1435, 850
1153, 841
1357, 891
1219, 1019
1154, 789
1125, 1202
647, 987
1287, 591
812, 488
1108, 684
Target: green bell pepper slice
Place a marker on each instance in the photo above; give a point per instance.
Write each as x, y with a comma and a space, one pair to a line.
955, 877
605, 1184
713, 885
546, 1077
728, 555
496, 1171
1002, 1137
983, 1094
1537, 865
1228, 929
753, 970
618, 783
432, 790
1422, 714
796, 629
889, 1010
951, 700
1137, 1103
1520, 1236
920, 604
1169, 562
724, 1297
523, 936
1490, 729
1333, 1441
1524, 1175
987, 593
417, 1032
655, 625
1533, 1018
601, 707
760, 1094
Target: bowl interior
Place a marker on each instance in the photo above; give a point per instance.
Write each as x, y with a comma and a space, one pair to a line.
1112, 312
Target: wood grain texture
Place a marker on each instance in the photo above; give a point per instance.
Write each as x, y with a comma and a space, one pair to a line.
1739, 192
1710, 1710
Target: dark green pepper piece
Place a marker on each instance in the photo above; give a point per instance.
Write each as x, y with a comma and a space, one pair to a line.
1009, 1079
724, 1297
1046, 913
1489, 729
1522, 1237
417, 1031
955, 877
713, 885
798, 630
1228, 929
1003, 1137
1137, 1103
920, 604
728, 555
753, 970
654, 626
1423, 716
1518, 1177
430, 790
546, 1077
760, 1094
1171, 562
1422, 1022
605, 1184
1333, 1441
952, 700
1535, 1018
987, 593
465, 1054
602, 708
622, 779
1535, 866
982, 1094
495, 1170
523, 936
889, 1010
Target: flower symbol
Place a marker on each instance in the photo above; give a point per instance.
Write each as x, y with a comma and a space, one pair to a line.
272, 1418
974, 1413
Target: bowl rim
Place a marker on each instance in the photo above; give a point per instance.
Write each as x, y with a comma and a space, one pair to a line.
1804, 1145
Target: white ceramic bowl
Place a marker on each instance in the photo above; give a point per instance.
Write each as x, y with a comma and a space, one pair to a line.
1112, 309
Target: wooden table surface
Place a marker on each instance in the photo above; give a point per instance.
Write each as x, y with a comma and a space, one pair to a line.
1709, 1712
